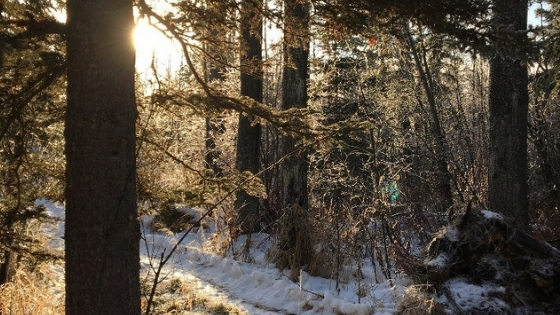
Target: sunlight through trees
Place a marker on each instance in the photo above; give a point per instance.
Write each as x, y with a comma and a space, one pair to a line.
339, 135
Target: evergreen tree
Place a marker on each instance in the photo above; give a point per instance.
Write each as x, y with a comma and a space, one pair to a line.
295, 197
215, 66
544, 135
249, 133
31, 110
461, 19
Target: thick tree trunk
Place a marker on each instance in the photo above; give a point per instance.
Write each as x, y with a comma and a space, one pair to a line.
294, 95
249, 135
295, 198
102, 229
507, 178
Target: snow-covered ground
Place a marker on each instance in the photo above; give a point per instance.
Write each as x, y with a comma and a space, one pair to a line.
258, 287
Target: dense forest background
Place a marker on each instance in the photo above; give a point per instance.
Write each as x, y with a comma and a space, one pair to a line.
347, 130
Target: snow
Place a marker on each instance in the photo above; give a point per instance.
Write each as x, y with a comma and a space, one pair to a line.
261, 289
56, 231
491, 215
452, 233
469, 297
256, 288
440, 261
193, 213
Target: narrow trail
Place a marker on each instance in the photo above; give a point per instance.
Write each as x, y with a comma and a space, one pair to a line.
198, 283
217, 293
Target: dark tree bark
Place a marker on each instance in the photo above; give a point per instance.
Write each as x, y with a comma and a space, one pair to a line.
102, 229
5, 267
295, 198
294, 95
249, 134
507, 179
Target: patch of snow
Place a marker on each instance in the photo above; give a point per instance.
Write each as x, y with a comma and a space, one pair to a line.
440, 261
469, 297
55, 210
56, 230
490, 215
452, 233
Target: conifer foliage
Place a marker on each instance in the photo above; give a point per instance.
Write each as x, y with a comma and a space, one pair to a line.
350, 131
32, 67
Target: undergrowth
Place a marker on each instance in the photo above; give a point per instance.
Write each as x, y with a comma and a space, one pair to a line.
40, 292
416, 302
177, 297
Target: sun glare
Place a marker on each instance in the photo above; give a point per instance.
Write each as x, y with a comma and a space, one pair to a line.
152, 45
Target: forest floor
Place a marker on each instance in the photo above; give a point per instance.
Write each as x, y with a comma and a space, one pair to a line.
198, 280
209, 274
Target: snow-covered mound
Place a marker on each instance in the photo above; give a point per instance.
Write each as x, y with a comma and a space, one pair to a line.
483, 265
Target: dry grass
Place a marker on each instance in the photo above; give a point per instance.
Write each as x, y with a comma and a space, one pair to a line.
181, 297
416, 302
37, 293
41, 292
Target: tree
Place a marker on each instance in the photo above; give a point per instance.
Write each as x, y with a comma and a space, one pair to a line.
441, 155
294, 95
32, 67
215, 67
507, 178
102, 229
295, 198
249, 134
544, 135
214, 127
455, 18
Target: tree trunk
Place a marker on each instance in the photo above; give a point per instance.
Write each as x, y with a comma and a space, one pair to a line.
507, 178
443, 176
249, 134
294, 95
5, 267
295, 199
102, 230
214, 126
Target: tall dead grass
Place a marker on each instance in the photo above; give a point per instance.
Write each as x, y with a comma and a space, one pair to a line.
35, 293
